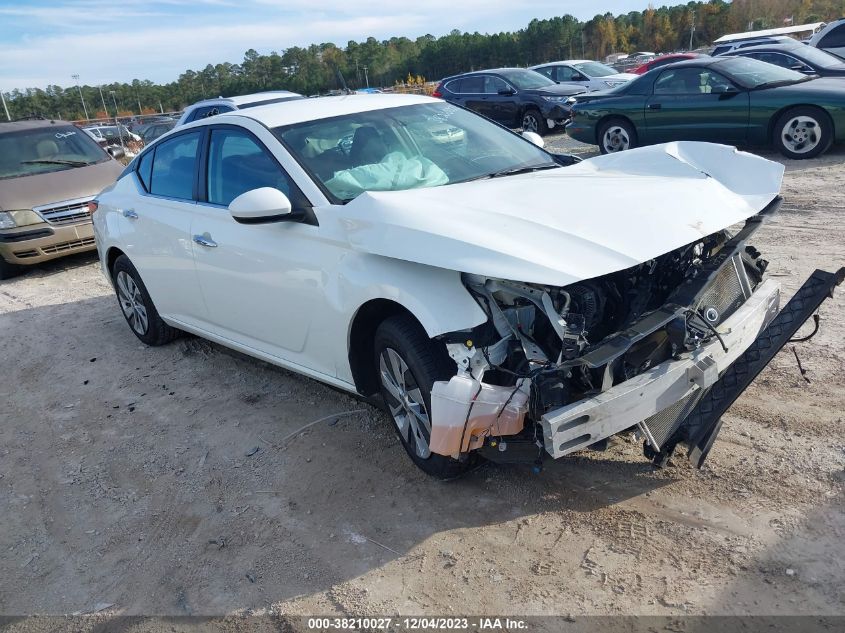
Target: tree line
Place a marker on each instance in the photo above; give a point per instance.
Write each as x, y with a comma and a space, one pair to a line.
322, 67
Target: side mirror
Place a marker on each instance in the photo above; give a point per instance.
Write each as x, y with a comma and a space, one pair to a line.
259, 206
534, 138
507, 92
116, 152
578, 77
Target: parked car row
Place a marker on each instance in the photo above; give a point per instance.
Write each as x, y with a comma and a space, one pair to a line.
786, 95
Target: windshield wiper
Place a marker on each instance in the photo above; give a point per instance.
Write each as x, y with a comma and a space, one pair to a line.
523, 170
511, 172
56, 161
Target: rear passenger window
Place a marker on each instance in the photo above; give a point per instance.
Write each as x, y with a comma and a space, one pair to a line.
145, 169
237, 164
472, 85
174, 166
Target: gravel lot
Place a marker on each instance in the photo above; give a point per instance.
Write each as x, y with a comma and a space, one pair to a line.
130, 483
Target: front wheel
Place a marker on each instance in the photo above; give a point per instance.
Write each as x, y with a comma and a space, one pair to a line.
617, 135
803, 132
408, 363
533, 121
137, 306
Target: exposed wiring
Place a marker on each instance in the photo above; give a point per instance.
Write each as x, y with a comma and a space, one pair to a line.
710, 327
804, 339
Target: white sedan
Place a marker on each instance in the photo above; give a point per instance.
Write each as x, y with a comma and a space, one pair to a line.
501, 301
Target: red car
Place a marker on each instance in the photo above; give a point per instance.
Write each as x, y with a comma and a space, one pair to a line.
662, 61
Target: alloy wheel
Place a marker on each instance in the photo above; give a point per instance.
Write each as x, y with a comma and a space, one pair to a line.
405, 401
132, 303
801, 134
616, 139
530, 123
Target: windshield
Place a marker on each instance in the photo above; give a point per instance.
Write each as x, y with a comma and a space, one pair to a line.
409, 147
46, 149
818, 57
752, 73
526, 79
595, 69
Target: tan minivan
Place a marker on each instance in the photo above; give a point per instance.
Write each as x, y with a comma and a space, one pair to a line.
49, 170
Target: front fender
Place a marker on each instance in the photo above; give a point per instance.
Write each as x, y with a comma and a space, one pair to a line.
435, 296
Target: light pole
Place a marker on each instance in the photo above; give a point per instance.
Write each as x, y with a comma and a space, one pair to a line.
692, 29
102, 98
76, 77
116, 122
366, 76
3, 99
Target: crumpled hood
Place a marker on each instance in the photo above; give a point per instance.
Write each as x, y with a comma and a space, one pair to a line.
564, 225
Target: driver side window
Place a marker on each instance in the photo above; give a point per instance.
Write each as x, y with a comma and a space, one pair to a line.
565, 73
690, 81
237, 164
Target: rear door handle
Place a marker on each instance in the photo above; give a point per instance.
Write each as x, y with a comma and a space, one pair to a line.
655, 106
130, 213
202, 240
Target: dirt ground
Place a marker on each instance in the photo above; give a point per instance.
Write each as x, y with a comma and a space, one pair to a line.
171, 481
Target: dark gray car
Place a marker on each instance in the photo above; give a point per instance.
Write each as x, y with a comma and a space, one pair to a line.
514, 97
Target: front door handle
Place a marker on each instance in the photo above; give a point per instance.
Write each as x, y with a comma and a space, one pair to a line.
130, 213
655, 106
202, 240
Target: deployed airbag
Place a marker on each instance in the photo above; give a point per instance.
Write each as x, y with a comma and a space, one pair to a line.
395, 171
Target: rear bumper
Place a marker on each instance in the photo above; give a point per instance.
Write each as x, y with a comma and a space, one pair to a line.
580, 424
43, 242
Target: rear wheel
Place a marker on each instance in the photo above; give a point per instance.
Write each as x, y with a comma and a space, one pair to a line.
803, 132
137, 306
533, 121
617, 135
408, 364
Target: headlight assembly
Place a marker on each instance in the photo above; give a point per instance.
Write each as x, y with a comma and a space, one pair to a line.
19, 217
556, 99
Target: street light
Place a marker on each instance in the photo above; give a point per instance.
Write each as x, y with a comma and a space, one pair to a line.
116, 121
76, 77
105, 109
3, 99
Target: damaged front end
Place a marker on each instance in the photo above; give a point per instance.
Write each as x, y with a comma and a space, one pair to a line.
656, 347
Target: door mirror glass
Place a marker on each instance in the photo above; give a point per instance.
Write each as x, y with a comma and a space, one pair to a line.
534, 138
257, 206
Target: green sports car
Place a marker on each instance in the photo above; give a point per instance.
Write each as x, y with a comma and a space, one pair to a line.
733, 100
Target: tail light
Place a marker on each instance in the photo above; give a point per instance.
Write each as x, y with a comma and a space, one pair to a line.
437, 90
93, 205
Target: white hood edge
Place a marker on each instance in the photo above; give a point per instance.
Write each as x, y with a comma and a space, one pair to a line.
565, 225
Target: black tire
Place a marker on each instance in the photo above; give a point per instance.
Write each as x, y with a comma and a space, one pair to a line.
616, 135
7, 270
425, 363
534, 121
803, 132
132, 295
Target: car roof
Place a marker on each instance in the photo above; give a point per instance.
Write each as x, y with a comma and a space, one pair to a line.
303, 110
30, 124
486, 71
785, 46
250, 98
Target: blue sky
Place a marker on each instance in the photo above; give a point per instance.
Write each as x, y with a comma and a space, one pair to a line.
45, 43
